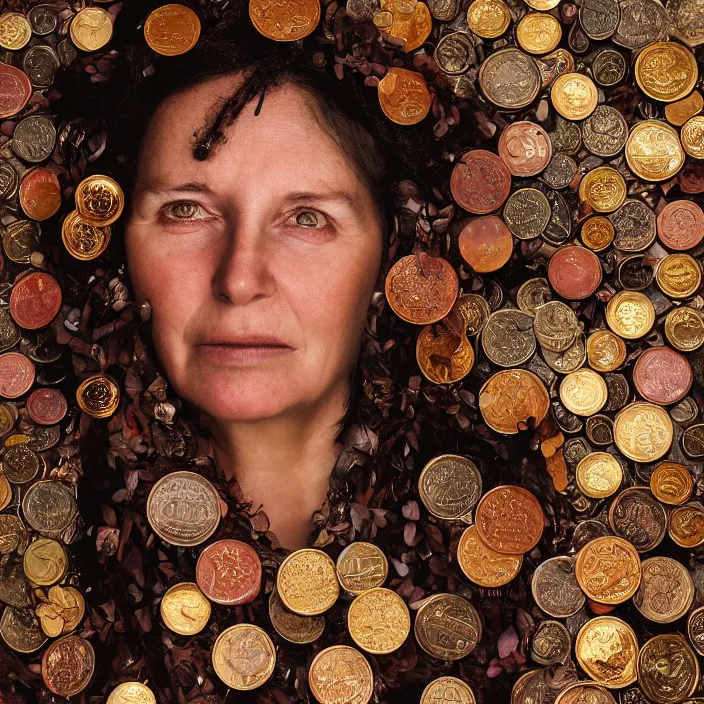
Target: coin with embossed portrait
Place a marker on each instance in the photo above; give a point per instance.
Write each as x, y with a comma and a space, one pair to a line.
555, 326
606, 351
585, 693
341, 673
551, 643
583, 392
482, 565
668, 669
680, 225
49, 506
666, 590
607, 650
68, 665
131, 693
555, 589
608, 570
638, 517
447, 689
609, 67
285, 22
599, 18
641, 22
408, 23
634, 226
454, 53
532, 294
450, 486
361, 566
653, 150
447, 626
643, 432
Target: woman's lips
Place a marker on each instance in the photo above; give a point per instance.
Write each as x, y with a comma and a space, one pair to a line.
242, 354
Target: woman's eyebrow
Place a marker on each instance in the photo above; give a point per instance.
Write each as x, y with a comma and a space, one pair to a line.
324, 196
190, 187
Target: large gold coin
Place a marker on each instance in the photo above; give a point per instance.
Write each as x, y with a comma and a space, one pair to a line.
378, 621
684, 329
172, 29
630, 314
185, 609
447, 689
307, 582
574, 96
488, 19
538, 33
485, 566
608, 570
606, 351
685, 525
99, 200
643, 432
598, 475
447, 626
244, 656
341, 673
131, 693
607, 650
668, 669
285, 21
666, 71
604, 189
84, 241
692, 136
678, 275
404, 96
671, 483
583, 392
361, 566
45, 562
666, 590
91, 28
15, 31
653, 150
98, 396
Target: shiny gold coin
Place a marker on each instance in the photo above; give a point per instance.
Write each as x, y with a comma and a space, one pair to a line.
692, 136
307, 582
488, 19
574, 96
378, 621
61, 610
15, 31
99, 200
244, 656
5, 492
607, 650
668, 669
98, 396
285, 21
604, 189
84, 241
485, 566
91, 28
678, 275
643, 431
538, 33
630, 314
684, 329
361, 566
608, 570
671, 483
409, 22
131, 693
447, 627
666, 71
597, 233
185, 609
666, 590
653, 150
685, 525
598, 475
606, 351
341, 674
443, 356
45, 562
583, 392
172, 29
404, 96
447, 689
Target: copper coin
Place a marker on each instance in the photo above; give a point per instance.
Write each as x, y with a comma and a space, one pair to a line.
40, 193
421, 289
486, 243
681, 225
172, 29
574, 272
662, 375
480, 182
46, 406
67, 665
229, 572
35, 300
525, 148
15, 90
16, 374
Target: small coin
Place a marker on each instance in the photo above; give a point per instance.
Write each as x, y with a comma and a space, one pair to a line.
341, 669
480, 182
486, 243
574, 272
185, 609
680, 225
40, 63
243, 656
98, 396
555, 326
643, 432
454, 53
671, 483
447, 689
599, 18
680, 111
307, 582
693, 441
605, 350
638, 517
447, 627
666, 71
488, 18
361, 566
40, 193
15, 90
46, 406
538, 33
604, 189
634, 225
510, 79
551, 643
678, 275
567, 137
597, 233
507, 338
15, 30
485, 566
653, 150
666, 590
449, 486
692, 136
686, 525
20, 465
605, 131
172, 29
82, 240
668, 670
641, 22
560, 171
21, 631
555, 587
532, 294
292, 627
609, 67
607, 650
12, 533
403, 95
20, 239
568, 361
474, 310
635, 272
608, 570
630, 314
662, 375
91, 29
131, 693
49, 506
16, 374
583, 392
527, 213
599, 475
99, 200
229, 572
35, 300
574, 96
34, 139
684, 329
45, 562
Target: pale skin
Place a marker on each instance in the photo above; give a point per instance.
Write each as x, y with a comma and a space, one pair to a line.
279, 238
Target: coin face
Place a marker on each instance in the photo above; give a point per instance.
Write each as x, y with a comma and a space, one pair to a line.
585, 693
378, 621
49, 506
574, 272
488, 18
454, 54
447, 627
184, 609
684, 328
507, 338
538, 32
527, 213
630, 314
40, 193
403, 95
678, 275
292, 627
131, 693
307, 582
341, 673
45, 562
600, 429
486, 243
574, 96
609, 67
583, 392
607, 650
91, 29
638, 517
599, 475
692, 136
98, 395
485, 566
643, 432
666, 590
409, 23
510, 79
99, 199
183, 509
604, 189
662, 375
35, 300
560, 170
67, 665
525, 148
599, 18
172, 29
641, 22
20, 465
680, 111
668, 669
551, 643
15, 30
605, 131
695, 629
46, 406
532, 294
361, 566
686, 525
555, 326
447, 689
243, 656
15, 92
606, 351
653, 151
608, 570
82, 240
671, 483
443, 356
666, 71
480, 182
449, 486
229, 572
555, 588
680, 225
20, 630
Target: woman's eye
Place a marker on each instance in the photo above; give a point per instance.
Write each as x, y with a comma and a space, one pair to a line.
182, 210
310, 219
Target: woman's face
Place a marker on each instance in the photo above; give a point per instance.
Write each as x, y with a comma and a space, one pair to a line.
259, 262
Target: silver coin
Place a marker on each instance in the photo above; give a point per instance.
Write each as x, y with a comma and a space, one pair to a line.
609, 67
527, 213
455, 54
43, 19
40, 63
34, 139
605, 131
599, 18
641, 22
560, 171
634, 225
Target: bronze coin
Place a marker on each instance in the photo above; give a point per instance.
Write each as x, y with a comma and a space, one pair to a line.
634, 225
229, 572
693, 441
49, 506
447, 627
40, 193
668, 670
662, 375
574, 272
485, 243
46, 406
680, 225
67, 665
20, 465
480, 182
15, 90
292, 627
551, 643
16, 374
637, 516
525, 148
35, 300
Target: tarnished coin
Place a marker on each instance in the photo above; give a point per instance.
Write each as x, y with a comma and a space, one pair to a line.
16, 374
532, 294
551, 643
35, 300
678, 275
447, 689
538, 32
686, 22
566, 137
638, 517
99, 200
607, 650
34, 138
684, 328
608, 570
307, 582
485, 566
403, 95
680, 111
653, 150
635, 272
570, 360
643, 432
604, 189
68, 665
606, 351
668, 670
243, 656
21, 631
671, 483
474, 310
583, 392
12, 533
421, 289
485, 243
20, 239
8, 418
480, 182
599, 18
40, 193
574, 96
634, 226
449, 486
82, 240
340, 673
695, 629
447, 627
172, 29
597, 233
444, 355
361, 566
378, 621
662, 375
15, 30
605, 131
46, 406
510, 79
599, 475
15, 90
292, 627
20, 465
666, 71
641, 22
184, 609
527, 213
692, 136
560, 171
5, 494
40, 63
488, 18
131, 693
555, 326
609, 67
666, 590
686, 525
98, 395
574, 272
585, 693
409, 23
630, 314
45, 562
693, 441
49, 506
555, 587
507, 338
680, 225
454, 53
229, 572
183, 508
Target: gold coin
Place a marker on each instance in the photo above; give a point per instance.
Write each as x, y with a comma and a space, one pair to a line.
671, 483
542, 5
488, 19
643, 431
679, 112
286, 21
443, 356
292, 627
408, 22
185, 609
684, 329
604, 189
668, 669
45, 562
666, 71
244, 656
91, 28
361, 566
685, 524
15, 30
172, 29
404, 96
607, 650
598, 475
98, 396
450, 486
653, 150
574, 96
99, 200
678, 275
378, 621
5, 492
630, 314
608, 570
583, 693
447, 689
597, 233
340, 673
84, 241
307, 582
131, 693
666, 590
606, 351
583, 392
538, 33
485, 566
692, 136
447, 626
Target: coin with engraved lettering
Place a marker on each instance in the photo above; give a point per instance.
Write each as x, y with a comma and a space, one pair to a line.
666, 590
638, 517
507, 338
341, 674
510, 79
482, 565
447, 689
450, 486
653, 150
292, 627
243, 656
480, 182
608, 570
229, 572
34, 138
172, 29
361, 566
527, 213
475, 311
555, 589
634, 226
605, 131
607, 650
686, 21
662, 375
668, 670
447, 627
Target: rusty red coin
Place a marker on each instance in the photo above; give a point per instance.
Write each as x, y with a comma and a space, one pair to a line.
40, 193
46, 406
16, 374
662, 375
480, 182
15, 90
525, 148
681, 225
486, 244
229, 572
35, 300
574, 272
